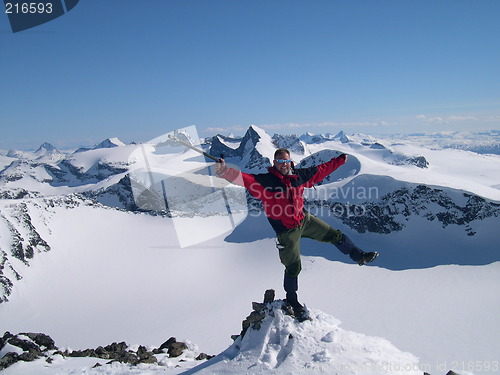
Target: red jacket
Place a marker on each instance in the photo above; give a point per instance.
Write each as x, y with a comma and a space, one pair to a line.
282, 196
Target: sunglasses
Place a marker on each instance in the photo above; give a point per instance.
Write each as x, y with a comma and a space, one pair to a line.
281, 161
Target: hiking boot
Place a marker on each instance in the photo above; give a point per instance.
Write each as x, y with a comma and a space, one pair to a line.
300, 312
367, 258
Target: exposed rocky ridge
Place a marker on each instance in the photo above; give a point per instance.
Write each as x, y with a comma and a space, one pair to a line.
23, 244
392, 211
31, 346
245, 155
119, 195
22, 239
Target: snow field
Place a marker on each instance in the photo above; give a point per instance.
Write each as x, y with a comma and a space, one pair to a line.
126, 279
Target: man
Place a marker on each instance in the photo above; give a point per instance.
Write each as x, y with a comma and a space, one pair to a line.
281, 191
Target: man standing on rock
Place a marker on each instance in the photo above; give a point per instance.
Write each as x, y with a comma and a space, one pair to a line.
281, 191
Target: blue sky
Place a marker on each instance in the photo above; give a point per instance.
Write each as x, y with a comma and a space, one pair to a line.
138, 69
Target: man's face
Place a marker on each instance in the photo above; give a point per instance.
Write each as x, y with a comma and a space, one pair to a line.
283, 167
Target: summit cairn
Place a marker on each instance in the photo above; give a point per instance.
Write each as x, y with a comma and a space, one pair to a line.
261, 310
273, 339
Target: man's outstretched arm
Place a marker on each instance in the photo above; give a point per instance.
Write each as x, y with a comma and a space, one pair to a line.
323, 170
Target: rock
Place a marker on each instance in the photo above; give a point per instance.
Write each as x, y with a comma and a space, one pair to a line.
176, 349
3, 340
158, 351
29, 356
25, 345
257, 306
168, 343
42, 340
8, 359
203, 356
260, 310
104, 354
82, 353
126, 357
145, 356
36, 345
114, 347
269, 296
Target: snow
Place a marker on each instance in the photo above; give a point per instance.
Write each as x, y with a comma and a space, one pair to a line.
85, 160
127, 281
429, 303
452, 168
265, 145
229, 141
284, 346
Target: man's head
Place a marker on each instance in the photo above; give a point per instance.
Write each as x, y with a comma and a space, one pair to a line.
282, 161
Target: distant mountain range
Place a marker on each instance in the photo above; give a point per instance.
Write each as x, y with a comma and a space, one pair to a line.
383, 185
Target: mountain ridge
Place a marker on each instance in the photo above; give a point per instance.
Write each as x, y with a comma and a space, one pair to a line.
359, 200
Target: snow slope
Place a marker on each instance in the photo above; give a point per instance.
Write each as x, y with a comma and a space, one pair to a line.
283, 346
126, 281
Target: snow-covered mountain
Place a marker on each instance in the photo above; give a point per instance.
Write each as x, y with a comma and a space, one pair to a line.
485, 142
88, 260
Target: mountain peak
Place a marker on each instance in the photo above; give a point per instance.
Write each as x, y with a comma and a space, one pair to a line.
45, 147
273, 339
109, 143
48, 153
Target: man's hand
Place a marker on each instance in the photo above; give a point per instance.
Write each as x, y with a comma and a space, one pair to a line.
343, 156
220, 165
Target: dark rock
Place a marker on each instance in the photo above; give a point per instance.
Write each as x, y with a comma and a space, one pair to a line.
168, 343
145, 356
176, 349
260, 311
82, 353
203, 356
116, 347
256, 306
30, 356
269, 296
8, 359
37, 344
3, 340
103, 353
127, 357
25, 345
42, 340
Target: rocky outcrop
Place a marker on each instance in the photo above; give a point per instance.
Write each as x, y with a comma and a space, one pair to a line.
392, 211
31, 346
260, 311
418, 161
246, 154
291, 142
24, 241
119, 195
24, 225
